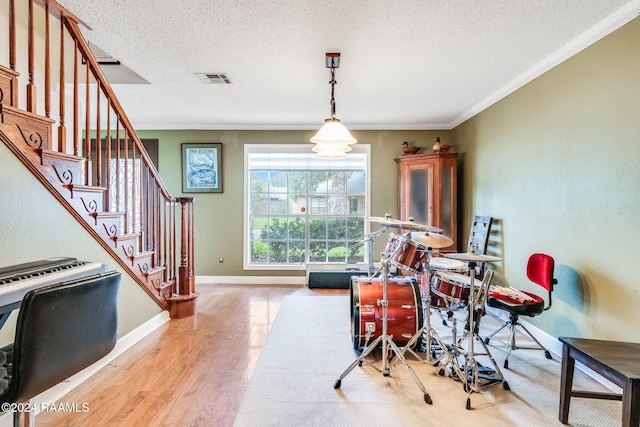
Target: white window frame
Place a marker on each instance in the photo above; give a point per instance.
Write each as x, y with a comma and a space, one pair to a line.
252, 148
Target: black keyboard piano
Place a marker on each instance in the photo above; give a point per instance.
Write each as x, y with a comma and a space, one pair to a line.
17, 280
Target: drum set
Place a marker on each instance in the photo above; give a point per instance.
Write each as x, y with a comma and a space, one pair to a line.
392, 312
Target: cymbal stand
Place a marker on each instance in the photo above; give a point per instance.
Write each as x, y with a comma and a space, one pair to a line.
426, 330
471, 369
451, 352
387, 344
370, 239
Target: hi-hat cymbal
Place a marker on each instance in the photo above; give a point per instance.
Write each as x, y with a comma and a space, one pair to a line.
472, 256
432, 240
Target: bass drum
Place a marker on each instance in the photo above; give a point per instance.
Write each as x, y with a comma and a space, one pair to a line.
404, 310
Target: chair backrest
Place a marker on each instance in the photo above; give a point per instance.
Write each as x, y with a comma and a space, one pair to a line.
479, 239
62, 329
479, 234
540, 271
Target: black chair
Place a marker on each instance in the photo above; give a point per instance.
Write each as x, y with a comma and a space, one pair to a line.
61, 329
540, 269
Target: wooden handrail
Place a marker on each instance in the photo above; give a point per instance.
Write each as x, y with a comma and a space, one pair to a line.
83, 47
58, 11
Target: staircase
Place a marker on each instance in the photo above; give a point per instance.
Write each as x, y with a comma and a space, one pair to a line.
61, 118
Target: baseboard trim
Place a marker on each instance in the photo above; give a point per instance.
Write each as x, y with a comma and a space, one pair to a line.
251, 280
57, 392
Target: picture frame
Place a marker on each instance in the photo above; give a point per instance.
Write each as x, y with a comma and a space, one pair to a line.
202, 167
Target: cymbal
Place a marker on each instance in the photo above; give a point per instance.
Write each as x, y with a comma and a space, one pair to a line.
432, 240
378, 219
396, 223
472, 256
427, 228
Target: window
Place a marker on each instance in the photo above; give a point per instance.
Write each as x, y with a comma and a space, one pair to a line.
125, 176
301, 209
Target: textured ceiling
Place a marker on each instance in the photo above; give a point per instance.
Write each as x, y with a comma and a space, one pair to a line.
406, 64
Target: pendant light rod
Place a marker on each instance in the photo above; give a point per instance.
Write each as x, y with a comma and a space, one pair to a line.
332, 61
333, 99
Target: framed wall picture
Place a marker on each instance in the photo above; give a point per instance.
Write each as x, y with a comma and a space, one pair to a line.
201, 167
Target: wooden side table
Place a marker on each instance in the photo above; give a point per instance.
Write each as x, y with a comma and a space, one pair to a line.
619, 362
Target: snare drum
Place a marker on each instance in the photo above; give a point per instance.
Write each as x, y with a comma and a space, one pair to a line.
405, 253
447, 265
449, 289
404, 309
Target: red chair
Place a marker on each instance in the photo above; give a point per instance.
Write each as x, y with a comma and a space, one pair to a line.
540, 271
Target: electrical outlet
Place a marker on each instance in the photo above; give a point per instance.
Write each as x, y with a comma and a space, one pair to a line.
221, 260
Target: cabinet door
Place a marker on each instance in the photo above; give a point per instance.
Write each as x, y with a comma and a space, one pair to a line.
419, 205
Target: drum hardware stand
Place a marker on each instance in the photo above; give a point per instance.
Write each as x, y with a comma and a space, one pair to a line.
470, 374
370, 239
426, 330
452, 351
387, 344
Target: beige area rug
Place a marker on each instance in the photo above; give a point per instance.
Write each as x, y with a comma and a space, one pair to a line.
309, 347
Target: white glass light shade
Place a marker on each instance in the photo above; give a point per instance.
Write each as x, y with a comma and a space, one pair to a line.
331, 151
331, 148
328, 154
333, 132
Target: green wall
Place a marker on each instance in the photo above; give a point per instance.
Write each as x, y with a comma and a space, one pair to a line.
556, 163
219, 217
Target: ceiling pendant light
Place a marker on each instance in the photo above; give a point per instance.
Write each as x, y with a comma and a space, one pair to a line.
333, 139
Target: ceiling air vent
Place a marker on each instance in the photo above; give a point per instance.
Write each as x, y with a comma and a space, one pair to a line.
214, 78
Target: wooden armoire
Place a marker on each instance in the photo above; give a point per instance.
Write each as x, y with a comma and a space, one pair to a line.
428, 191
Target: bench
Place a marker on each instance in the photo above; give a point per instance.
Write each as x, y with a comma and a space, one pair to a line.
619, 362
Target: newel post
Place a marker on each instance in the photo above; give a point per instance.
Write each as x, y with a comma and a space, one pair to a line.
183, 301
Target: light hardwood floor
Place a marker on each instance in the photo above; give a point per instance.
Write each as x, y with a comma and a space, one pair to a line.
188, 372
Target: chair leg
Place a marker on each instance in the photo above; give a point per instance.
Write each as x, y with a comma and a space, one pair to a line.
526, 331
512, 345
492, 334
546, 352
24, 419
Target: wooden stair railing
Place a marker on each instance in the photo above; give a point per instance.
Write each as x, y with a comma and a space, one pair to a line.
97, 167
